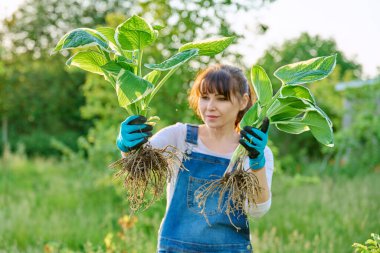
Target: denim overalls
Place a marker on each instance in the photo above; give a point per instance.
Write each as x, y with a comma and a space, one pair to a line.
184, 229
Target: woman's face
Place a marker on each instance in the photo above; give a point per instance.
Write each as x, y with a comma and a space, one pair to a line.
217, 111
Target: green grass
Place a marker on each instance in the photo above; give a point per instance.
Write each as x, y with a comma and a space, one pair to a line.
47, 202
319, 217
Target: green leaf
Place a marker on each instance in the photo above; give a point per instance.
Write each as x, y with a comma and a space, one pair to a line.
109, 33
158, 27
376, 237
174, 61
209, 47
288, 108
89, 61
306, 71
114, 68
285, 114
262, 85
297, 91
131, 88
370, 242
250, 117
319, 127
125, 62
324, 115
292, 127
121, 58
313, 117
282, 104
59, 45
153, 76
81, 38
134, 34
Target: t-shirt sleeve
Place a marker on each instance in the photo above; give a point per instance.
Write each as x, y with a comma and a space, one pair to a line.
261, 209
172, 135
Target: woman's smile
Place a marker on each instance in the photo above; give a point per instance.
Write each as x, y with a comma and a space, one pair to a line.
212, 117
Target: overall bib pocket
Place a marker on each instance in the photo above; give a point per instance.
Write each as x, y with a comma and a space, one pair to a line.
193, 189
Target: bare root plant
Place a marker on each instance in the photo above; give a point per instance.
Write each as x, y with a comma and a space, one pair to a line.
145, 172
237, 190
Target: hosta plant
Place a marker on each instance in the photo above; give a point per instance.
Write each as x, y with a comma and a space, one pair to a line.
117, 55
293, 109
370, 245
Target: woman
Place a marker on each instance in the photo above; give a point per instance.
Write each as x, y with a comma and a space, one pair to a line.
220, 96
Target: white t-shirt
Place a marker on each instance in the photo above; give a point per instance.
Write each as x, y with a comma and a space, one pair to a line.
175, 135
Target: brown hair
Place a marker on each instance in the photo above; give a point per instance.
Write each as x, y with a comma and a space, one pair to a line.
221, 79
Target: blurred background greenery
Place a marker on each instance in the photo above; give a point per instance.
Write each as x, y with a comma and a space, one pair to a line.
58, 130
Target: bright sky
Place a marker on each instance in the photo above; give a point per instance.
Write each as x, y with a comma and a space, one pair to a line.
354, 24
8, 6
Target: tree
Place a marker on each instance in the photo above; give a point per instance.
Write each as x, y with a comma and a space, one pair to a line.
36, 26
305, 47
39, 104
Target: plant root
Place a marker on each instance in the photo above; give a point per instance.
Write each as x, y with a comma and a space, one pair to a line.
144, 173
237, 192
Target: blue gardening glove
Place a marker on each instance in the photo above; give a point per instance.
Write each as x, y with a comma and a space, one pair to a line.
133, 133
254, 140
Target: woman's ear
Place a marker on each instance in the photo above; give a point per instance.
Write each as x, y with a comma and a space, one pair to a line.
244, 101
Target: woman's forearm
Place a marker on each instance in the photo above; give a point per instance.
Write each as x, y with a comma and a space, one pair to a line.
263, 195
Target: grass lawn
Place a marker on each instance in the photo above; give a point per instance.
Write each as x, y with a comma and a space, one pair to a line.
46, 205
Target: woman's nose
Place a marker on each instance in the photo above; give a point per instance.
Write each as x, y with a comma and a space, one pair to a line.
211, 104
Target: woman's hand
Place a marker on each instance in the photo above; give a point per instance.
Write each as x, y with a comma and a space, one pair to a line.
133, 133
254, 140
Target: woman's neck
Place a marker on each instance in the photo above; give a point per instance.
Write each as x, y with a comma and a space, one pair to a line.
222, 134
218, 140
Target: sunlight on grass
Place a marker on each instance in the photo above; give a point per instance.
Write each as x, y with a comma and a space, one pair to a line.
49, 204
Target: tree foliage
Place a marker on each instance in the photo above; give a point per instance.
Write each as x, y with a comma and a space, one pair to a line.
40, 101
305, 47
358, 141
32, 31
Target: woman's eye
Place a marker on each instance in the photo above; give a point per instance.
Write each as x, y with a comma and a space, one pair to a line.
222, 98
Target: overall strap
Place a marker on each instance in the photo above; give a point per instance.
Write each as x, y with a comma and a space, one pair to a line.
192, 134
